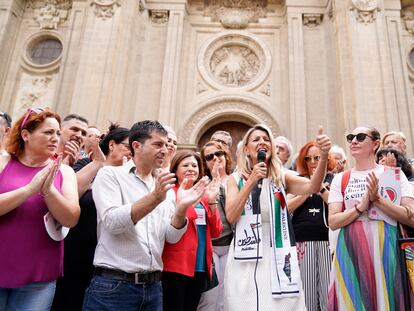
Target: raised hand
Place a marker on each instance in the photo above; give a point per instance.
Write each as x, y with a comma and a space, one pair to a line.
388, 160
164, 181
324, 142
71, 152
188, 197
47, 187
372, 187
212, 190
259, 172
96, 153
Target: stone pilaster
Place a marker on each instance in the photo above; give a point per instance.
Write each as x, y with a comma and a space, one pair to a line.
372, 76
103, 61
11, 12
296, 69
172, 64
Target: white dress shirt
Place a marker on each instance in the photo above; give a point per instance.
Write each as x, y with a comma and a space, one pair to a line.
121, 244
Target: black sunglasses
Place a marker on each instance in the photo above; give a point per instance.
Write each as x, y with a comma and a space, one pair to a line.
315, 158
360, 137
210, 156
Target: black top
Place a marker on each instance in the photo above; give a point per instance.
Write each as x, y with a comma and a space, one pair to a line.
80, 246
310, 220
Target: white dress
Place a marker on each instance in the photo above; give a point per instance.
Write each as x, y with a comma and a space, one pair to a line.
239, 286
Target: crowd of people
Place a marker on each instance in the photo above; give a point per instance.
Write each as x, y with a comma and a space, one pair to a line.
122, 220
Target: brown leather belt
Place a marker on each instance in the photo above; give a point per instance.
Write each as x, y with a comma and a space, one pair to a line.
140, 278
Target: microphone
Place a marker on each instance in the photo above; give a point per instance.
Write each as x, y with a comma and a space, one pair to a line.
261, 157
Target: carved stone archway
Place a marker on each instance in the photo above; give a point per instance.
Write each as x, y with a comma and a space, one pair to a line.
222, 109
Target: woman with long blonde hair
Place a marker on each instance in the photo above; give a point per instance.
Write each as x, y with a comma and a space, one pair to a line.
262, 271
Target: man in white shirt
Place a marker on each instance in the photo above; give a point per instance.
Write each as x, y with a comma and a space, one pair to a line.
136, 213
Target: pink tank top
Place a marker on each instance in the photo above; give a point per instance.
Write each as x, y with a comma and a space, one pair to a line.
27, 253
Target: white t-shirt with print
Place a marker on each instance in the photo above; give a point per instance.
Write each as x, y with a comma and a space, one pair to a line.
357, 185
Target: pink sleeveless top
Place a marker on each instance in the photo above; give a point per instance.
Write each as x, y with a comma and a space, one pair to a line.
27, 253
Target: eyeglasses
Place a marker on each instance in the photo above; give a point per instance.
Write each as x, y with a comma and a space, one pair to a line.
360, 137
315, 158
210, 156
125, 144
29, 111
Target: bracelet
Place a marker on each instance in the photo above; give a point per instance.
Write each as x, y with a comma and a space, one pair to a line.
323, 190
356, 208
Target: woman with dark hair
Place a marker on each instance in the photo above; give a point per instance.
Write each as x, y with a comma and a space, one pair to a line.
216, 160
310, 224
366, 272
188, 263
111, 150
33, 185
262, 271
395, 158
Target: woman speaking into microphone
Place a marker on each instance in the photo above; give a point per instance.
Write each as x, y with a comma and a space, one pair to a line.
262, 271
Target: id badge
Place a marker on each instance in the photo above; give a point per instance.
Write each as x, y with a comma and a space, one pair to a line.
201, 216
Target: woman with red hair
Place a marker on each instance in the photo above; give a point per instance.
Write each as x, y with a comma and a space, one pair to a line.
309, 218
33, 187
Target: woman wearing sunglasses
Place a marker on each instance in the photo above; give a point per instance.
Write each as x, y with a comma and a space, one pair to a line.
188, 263
366, 272
262, 271
310, 224
31, 185
216, 160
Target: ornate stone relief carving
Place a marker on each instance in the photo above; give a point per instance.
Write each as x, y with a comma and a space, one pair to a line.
200, 88
408, 19
141, 6
226, 105
266, 89
312, 20
365, 11
105, 8
234, 65
234, 61
31, 96
159, 16
235, 14
49, 14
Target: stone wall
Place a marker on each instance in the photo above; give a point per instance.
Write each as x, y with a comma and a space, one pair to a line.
291, 64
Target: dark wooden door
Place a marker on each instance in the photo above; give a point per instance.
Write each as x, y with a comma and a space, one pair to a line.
236, 130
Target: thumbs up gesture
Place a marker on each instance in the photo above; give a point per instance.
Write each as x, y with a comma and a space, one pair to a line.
324, 142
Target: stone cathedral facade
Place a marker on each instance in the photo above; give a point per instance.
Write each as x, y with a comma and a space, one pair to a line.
201, 65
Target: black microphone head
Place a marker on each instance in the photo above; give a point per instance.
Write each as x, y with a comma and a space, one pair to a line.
261, 156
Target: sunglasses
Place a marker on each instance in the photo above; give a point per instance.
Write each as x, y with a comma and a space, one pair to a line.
315, 158
360, 137
29, 111
210, 156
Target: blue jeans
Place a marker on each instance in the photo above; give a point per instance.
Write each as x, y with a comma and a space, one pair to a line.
32, 297
109, 294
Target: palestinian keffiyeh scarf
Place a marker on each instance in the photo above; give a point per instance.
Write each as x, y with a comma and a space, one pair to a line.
248, 237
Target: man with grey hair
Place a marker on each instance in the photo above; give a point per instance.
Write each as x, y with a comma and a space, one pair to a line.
339, 155
222, 137
283, 149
